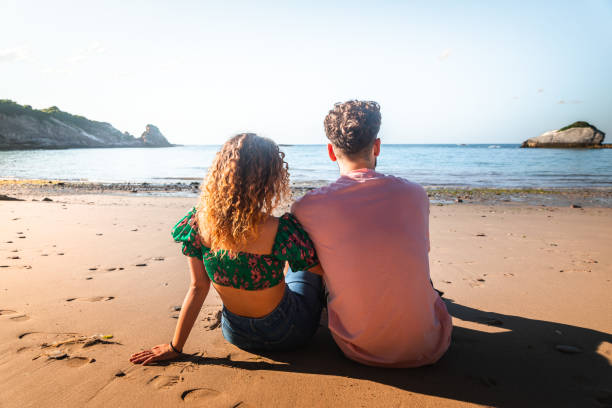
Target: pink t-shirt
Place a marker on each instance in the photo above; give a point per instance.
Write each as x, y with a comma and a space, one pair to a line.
371, 233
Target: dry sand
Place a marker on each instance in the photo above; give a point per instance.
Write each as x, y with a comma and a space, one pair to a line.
519, 281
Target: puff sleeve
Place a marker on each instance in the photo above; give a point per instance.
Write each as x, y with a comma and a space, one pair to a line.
186, 232
294, 245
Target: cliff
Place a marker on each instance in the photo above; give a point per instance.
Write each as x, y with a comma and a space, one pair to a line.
578, 134
22, 127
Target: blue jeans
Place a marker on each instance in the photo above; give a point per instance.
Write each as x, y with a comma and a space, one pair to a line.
291, 325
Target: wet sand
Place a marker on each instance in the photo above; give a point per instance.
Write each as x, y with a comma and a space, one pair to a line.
528, 287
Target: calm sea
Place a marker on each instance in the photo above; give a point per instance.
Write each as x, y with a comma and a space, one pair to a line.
431, 165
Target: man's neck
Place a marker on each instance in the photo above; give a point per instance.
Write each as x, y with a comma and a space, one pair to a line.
347, 166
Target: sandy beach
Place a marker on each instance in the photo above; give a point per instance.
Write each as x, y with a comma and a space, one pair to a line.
92, 278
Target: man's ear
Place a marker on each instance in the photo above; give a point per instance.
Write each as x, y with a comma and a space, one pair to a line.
330, 151
377, 147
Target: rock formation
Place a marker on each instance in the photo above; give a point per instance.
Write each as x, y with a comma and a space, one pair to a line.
578, 134
22, 127
153, 137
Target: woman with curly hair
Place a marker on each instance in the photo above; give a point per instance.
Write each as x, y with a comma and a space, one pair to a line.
232, 239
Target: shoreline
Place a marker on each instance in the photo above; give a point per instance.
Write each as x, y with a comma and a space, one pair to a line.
560, 197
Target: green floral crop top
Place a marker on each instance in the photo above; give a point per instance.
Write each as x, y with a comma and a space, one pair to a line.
250, 271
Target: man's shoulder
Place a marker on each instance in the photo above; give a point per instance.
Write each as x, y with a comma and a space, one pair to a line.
313, 196
404, 183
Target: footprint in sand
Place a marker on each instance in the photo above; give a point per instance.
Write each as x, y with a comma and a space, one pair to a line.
76, 361
162, 382
14, 315
211, 397
213, 320
91, 299
200, 395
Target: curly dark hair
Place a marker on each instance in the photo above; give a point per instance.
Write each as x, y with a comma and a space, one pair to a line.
353, 126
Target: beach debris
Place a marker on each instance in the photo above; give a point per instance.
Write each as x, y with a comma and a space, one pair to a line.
481, 234
119, 373
575, 206
46, 199
56, 355
7, 198
86, 341
564, 348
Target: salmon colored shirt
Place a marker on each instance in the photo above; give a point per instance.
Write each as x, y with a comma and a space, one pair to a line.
371, 234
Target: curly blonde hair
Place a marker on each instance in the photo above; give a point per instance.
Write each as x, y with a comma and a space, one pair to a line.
246, 181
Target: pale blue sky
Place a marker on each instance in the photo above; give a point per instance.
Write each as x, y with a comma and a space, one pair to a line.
443, 72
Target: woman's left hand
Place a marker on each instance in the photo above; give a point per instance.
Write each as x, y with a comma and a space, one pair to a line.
160, 352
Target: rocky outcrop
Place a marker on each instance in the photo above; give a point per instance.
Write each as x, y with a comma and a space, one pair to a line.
22, 127
153, 137
578, 134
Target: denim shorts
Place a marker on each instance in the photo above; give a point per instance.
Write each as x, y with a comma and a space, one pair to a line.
290, 326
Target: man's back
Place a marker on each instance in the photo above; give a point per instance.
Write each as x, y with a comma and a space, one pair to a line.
371, 235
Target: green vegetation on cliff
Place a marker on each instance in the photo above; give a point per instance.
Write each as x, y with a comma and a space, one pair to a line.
11, 108
579, 124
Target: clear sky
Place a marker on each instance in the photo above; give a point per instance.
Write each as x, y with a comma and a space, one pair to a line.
443, 71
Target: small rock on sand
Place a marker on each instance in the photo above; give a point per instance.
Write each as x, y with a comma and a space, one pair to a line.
481, 234
119, 374
47, 199
141, 264
575, 206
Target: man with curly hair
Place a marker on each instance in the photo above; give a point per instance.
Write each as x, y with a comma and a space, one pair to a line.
371, 233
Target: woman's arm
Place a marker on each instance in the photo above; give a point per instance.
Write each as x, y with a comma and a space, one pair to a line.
198, 290
200, 285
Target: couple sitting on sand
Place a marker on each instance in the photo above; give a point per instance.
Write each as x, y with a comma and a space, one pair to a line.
358, 246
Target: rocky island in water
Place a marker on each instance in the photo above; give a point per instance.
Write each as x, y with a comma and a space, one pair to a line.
578, 134
22, 127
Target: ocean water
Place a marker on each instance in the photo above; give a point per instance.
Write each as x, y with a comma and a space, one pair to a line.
431, 165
